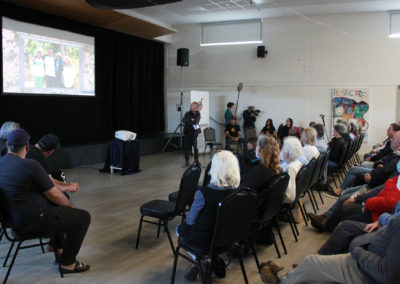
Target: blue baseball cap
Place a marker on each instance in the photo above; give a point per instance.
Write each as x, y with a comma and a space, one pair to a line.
18, 137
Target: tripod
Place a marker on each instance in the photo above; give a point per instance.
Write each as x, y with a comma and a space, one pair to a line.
179, 128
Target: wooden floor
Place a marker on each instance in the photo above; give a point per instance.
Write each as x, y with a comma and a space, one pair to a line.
109, 246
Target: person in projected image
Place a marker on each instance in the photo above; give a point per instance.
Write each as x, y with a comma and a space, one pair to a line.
59, 67
50, 69
38, 70
69, 74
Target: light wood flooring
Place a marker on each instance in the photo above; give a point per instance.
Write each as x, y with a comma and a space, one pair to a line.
109, 246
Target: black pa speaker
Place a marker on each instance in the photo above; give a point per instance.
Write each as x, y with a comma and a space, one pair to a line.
183, 57
261, 52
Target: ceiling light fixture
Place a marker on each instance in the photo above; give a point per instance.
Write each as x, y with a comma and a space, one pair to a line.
231, 43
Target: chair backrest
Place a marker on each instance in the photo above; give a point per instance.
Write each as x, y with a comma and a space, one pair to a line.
209, 134
207, 177
274, 198
301, 180
320, 162
187, 188
311, 166
344, 154
5, 211
361, 136
249, 133
233, 219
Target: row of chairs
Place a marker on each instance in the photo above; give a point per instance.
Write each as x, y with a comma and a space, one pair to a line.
349, 157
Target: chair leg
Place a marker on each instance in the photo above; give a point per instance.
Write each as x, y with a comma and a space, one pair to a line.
301, 207
246, 281
280, 237
2, 234
320, 196
291, 225
294, 223
41, 244
312, 202
12, 262
169, 236
8, 254
159, 227
139, 231
255, 255
315, 200
176, 255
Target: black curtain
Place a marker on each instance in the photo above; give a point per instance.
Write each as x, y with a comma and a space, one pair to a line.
129, 88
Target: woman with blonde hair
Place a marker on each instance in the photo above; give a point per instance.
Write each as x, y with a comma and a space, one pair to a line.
198, 228
268, 164
309, 140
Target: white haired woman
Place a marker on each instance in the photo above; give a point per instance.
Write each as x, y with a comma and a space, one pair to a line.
198, 228
6, 128
309, 140
291, 152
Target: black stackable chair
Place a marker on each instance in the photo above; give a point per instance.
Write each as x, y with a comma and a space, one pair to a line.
173, 196
210, 140
270, 209
165, 211
312, 176
18, 237
231, 228
338, 170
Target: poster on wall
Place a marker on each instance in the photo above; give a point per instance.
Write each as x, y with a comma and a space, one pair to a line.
202, 99
351, 105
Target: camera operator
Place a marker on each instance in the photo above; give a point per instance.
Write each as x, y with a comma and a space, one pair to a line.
249, 117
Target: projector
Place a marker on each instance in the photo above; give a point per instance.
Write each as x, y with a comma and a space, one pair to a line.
125, 135
127, 4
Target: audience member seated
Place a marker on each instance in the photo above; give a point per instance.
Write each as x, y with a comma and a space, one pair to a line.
38, 206
386, 150
308, 139
233, 134
42, 150
295, 131
268, 166
250, 159
283, 130
336, 146
291, 152
348, 231
350, 206
376, 260
353, 131
6, 128
320, 144
197, 230
269, 128
346, 136
375, 176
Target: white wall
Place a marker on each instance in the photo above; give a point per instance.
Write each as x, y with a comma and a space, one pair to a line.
345, 50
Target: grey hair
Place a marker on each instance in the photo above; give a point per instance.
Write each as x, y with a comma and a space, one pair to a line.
225, 170
292, 146
340, 128
7, 127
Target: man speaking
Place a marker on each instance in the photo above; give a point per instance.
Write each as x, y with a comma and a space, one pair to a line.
191, 131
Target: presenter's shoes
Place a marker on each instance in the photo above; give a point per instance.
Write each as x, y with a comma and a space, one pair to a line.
319, 222
187, 164
79, 267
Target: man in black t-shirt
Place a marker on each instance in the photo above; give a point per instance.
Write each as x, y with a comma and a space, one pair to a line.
191, 131
38, 206
43, 149
232, 132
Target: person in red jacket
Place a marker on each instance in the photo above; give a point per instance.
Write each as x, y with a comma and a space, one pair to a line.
382, 203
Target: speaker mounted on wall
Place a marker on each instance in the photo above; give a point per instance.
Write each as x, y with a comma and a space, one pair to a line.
182, 58
261, 51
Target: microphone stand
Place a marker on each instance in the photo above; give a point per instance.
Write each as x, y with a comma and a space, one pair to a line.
237, 102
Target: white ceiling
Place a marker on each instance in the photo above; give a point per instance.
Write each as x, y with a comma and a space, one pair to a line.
202, 11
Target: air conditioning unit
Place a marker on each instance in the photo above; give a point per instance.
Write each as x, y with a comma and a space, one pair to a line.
127, 4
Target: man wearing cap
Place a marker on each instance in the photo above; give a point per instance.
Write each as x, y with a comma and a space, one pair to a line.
43, 149
36, 205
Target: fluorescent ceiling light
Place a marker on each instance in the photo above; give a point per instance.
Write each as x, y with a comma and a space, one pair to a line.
231, 43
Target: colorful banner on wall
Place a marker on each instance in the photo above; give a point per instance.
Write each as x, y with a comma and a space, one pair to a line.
203, 105
351, 105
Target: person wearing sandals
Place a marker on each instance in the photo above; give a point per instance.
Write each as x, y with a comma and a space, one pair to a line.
37, 205
198, 228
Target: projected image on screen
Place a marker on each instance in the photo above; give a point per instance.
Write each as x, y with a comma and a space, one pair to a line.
36, 62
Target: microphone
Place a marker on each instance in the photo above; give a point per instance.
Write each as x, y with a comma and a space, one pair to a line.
322, 115
240, 87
